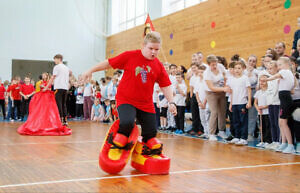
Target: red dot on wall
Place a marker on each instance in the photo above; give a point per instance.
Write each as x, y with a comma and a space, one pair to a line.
213, 24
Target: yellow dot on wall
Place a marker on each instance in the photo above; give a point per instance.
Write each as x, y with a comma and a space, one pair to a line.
213, 44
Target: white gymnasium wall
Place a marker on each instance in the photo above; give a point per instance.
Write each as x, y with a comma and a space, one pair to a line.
39, 29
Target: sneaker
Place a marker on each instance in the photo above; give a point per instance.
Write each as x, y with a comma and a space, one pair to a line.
242, 142
289, 149
234, 140
270, 146
180, 132
222, 134
275, 146
204, 136
229, 138
213, 138
261, 144
265, 145
281, 147
11, 120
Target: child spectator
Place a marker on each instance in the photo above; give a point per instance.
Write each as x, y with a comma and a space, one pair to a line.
286, 85
172, 76
240, 103
194, 81
114, 111
273, 103
107, 116
79, 100
261, 105
180, 96
163, 104
98, 93
102, 90
38, 83
202, 102
97, 113
26, 91
2, 98
16, 99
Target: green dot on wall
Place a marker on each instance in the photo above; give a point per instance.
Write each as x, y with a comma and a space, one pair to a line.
287, 4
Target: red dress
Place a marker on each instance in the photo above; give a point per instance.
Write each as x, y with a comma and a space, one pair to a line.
43, 118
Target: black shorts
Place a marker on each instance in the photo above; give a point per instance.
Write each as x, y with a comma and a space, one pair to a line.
163, 112
286, 104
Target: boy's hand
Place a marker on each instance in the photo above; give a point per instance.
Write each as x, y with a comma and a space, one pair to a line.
259, 111
227, 89
173, 109
248, 106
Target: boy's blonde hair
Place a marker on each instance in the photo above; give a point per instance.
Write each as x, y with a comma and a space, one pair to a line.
211, 58
152, 37
285, 60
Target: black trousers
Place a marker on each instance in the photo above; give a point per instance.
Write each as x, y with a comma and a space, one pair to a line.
229, 115
25, 106
17, 105
61, 101
2, 104
79, 110
179, 118
127, 116
295, 125
197, 126
157, 115
266, 130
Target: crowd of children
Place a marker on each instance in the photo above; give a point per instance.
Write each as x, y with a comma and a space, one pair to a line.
254, 100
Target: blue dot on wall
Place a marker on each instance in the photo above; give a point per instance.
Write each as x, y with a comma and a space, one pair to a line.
171, 35
112, 51
171, 52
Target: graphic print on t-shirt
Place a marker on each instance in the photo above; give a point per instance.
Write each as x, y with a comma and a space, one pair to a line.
143, 72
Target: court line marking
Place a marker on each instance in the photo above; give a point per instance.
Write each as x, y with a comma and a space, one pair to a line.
140, 175
65, 142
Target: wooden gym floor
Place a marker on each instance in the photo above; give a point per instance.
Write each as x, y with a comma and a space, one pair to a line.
70, 164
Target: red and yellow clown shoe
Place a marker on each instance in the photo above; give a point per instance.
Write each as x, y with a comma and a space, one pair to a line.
117, 149
148, 157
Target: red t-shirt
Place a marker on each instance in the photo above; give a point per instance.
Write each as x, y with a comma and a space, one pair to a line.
27, 89
15, 91
2, 92
140, 74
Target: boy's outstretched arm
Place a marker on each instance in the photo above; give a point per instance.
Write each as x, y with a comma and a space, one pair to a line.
99, 67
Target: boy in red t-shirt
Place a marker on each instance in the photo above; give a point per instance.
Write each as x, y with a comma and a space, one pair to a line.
2, 98
134, 95
26, 91
16, 98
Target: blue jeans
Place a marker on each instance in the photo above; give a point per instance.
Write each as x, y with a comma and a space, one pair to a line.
240, 121
9, 108
273, 117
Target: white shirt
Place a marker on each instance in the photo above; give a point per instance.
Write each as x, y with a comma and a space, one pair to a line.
287, 81
155, 93
261, 97
194, 81
179, 99
217, 80
173, 81
239, 88
200, 90
273, 98
111, 91
88, 90
79, 97
162, 100
61, 73
102, 88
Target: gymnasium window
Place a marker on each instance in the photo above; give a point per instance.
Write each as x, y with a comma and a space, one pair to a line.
127, 14
171, 6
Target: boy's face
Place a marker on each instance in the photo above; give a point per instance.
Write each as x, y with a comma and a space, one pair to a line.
201, 72
238, 69
267, 61
151, 50
27, 80
96, 102
272, 69
281, 65
194, 69
200, 58
279, 49
263, 80
213, 65
173, 69
57, 61
107, 102
231, 70
179, 78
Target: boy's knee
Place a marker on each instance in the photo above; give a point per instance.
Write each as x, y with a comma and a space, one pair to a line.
126, 124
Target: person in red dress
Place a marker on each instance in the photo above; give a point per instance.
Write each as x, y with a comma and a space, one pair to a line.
26, 91
135, 90
43, 118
